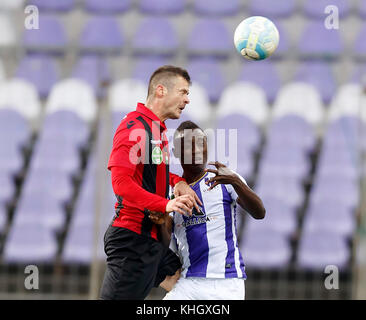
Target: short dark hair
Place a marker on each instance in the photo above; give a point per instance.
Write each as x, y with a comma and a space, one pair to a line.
186, 125
166, 72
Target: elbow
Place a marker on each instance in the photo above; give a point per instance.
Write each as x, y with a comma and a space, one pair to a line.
260, 213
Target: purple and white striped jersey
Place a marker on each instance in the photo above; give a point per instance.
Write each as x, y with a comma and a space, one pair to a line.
207, 241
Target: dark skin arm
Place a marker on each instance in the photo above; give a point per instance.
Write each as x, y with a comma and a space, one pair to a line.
164, 224
247, 199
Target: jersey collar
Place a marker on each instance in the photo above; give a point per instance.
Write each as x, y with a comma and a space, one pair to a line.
141, 108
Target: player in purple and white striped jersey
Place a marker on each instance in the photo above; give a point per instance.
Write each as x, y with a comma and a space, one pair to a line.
206, 241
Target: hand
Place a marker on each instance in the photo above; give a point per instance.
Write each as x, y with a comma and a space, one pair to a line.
157, 217
182, 188
223, 175
182, 204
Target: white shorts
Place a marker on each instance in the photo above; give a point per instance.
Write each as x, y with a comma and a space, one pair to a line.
207, 289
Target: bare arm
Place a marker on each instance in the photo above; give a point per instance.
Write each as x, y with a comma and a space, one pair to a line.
247, 199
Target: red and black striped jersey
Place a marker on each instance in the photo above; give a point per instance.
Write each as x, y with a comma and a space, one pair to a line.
139, 162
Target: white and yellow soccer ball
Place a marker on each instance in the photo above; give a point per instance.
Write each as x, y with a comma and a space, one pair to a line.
256, 38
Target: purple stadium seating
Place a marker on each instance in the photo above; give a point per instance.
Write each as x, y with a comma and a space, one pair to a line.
264, 250
3, 217
39, 207
320, 75
319, 42
53, 5
343, 132
33, 243
267, 8
359, 47
336, 189
11, 158
94, 70
319, 249
245, 127
79, 243
210, 37
245, 146
107, 6
101, 34
291, 130
162, 6
216, 7
208, 73
280, 218
7, 189
316, 9
14, 128
40, 70
263, 74
62, 157
288, 190
362, 9
57, 129
145, 66
330, 217
54, 184
50, 37
162, 39
285, 162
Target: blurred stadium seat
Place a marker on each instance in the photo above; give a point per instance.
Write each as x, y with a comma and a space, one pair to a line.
310, 106
107, 6
231, 102
319, 74
282, 9
50, 37
53, 5
8, 35
75, 95
162, 7
264, 75
209, 37
21, 96
40, 70
216, 7
208, 73
325, 43
95, 71
102, 35
162, 39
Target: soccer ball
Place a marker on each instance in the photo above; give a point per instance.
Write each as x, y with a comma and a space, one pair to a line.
256, 38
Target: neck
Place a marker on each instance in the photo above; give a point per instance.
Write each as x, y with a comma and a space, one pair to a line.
193, 175
156, 109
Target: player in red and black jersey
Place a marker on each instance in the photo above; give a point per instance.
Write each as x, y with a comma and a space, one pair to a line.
139, 164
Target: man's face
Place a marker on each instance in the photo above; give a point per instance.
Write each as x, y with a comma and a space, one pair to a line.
176, 98
193, 149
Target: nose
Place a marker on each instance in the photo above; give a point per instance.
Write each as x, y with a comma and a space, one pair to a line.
186, 101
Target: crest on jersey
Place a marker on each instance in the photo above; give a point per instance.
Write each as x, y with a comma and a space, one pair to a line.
157, 156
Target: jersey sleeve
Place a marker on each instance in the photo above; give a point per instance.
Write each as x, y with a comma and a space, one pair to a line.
230, 188
128, 145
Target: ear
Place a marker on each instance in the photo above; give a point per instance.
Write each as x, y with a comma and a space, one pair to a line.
160, 91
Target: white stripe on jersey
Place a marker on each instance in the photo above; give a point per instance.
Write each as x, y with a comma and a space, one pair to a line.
210, 239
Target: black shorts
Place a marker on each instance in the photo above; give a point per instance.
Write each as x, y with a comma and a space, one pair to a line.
135, 264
